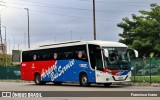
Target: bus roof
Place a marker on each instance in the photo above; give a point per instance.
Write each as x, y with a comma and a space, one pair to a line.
72, 43
107, 43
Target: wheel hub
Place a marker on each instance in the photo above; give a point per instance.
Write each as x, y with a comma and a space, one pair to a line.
84, 80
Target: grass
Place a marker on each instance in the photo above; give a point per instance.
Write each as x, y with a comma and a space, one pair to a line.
154, 79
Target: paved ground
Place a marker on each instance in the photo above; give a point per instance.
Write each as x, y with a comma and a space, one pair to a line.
13, 86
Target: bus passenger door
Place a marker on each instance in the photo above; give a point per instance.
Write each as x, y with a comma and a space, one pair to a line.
96, 61
99, 66
99, 75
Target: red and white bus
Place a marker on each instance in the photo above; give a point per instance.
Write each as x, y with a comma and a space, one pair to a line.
86, 62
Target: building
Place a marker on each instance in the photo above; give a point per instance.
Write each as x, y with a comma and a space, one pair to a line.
3, 48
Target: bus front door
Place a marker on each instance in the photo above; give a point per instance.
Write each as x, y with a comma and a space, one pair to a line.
99, 75
99, 67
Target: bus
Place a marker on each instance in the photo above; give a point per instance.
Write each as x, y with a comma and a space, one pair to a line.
85, 62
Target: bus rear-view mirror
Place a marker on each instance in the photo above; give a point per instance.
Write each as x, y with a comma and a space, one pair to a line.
132, 53
136, 53
106, 53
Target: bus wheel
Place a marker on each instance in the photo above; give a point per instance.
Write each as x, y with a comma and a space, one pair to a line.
84, 80
37, 80
107, 84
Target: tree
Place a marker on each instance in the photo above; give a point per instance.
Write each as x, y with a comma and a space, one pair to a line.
142, 32
3, 60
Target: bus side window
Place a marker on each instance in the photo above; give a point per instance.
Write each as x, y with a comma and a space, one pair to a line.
55, 56
68, 55
46, 55
34, 57
60, 56
25, 56
81, 55
84, 55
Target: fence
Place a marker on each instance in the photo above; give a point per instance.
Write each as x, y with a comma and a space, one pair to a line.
146, 70
10, 72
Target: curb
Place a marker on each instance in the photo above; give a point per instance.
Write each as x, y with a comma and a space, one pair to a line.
155, 85
147, 84
16, 81
139, 84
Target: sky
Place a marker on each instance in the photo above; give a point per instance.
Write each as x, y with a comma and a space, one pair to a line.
64, 20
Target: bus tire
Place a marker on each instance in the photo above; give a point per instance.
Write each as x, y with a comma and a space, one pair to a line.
37, 80
107, 84
84, 80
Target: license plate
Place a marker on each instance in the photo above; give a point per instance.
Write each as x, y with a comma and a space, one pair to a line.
120, 78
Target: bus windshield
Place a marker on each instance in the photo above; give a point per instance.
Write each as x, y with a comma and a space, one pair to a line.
118, 59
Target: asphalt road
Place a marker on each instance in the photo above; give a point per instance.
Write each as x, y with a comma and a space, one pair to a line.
13, 86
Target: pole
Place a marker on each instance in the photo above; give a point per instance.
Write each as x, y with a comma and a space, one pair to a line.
94, 20
71, 35
25, 34
28, 27
9, 45
135, 74
0, 30
18, 47
150, 71
13, 43
5, 39
55, 39
5, 47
